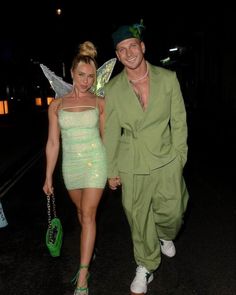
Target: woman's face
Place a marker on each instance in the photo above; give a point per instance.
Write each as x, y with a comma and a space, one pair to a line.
84, 76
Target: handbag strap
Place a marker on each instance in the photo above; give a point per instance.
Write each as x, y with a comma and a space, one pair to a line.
51, 210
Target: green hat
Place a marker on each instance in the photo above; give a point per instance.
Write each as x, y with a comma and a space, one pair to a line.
127, 32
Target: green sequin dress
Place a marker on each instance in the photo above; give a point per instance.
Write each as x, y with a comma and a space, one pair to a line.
83, 153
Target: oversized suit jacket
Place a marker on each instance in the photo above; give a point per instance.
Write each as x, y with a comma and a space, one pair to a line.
138, 141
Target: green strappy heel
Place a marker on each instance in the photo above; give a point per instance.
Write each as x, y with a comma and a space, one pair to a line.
80, 290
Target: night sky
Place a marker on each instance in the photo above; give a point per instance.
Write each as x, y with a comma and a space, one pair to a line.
33, 33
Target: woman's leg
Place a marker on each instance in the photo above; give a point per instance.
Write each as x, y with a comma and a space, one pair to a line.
86, 202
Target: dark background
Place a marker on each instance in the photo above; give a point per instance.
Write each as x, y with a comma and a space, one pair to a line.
33, 33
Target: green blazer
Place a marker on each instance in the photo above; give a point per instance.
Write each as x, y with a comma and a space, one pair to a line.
138, 141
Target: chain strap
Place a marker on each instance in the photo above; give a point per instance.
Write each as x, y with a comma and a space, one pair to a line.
54, 205
49, 199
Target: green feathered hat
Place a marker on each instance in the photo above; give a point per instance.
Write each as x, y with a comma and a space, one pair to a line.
127, 32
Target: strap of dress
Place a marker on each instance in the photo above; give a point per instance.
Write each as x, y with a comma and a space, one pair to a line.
85, 106
79, 106
62, 103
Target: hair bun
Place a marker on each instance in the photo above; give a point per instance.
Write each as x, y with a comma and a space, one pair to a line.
88, 48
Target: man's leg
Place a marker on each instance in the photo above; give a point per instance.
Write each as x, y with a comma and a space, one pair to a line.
169, 203
136, 198
137, 191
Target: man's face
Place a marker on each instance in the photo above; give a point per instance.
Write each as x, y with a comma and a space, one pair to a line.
130, 52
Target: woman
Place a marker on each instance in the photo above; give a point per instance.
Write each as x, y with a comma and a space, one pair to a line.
78, 118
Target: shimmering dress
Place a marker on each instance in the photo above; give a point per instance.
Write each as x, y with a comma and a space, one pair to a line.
83, 153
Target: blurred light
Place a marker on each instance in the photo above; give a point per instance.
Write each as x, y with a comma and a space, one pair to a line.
3, 107
165, 60
179, 49
49, 99
38, 101
58, 11
173, 49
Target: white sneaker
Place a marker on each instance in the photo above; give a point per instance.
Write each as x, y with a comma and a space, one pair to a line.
142, 279
168, 248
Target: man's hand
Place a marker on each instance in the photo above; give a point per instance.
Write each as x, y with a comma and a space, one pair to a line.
114, 182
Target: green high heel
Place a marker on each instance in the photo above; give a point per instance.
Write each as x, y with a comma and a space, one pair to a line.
81, 290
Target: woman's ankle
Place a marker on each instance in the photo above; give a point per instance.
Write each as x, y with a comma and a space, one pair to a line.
83, 277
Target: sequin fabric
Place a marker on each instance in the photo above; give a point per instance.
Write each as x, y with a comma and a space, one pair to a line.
83, 153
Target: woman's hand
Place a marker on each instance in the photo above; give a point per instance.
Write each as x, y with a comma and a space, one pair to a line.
48, 187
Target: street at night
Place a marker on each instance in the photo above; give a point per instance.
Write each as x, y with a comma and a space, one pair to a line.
197, 44
205, 260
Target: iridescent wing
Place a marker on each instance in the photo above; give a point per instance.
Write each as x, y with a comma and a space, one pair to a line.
103, 76
61, 87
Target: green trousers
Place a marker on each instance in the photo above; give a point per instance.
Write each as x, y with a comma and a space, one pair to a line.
154, 205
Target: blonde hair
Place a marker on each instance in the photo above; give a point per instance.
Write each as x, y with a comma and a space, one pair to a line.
88, 48
87, 53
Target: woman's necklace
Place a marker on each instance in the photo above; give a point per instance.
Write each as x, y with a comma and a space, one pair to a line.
139, 79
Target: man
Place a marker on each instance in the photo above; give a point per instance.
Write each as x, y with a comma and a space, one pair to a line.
146, 145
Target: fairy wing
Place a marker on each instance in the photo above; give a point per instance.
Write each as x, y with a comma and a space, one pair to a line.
103, 76
60, 87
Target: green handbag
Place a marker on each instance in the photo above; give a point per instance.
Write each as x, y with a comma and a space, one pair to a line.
54, 232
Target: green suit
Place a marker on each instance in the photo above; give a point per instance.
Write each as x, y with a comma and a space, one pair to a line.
148, 147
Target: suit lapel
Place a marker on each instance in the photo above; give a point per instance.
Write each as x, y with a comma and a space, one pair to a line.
154, 89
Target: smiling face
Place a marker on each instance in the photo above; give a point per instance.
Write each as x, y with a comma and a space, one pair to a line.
84, 75
130, 52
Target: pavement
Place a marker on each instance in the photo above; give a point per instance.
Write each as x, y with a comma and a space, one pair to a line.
205, 262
